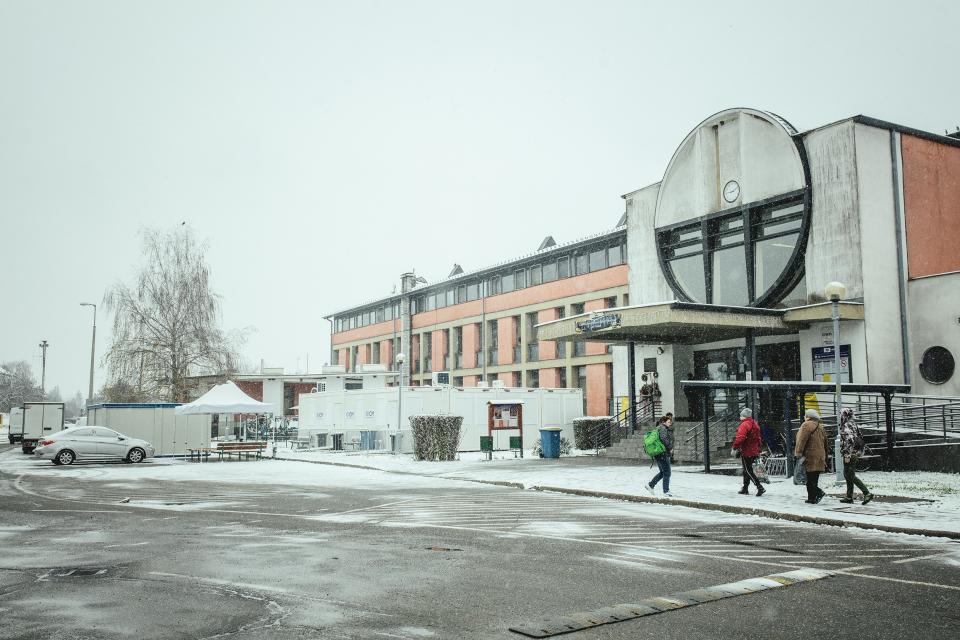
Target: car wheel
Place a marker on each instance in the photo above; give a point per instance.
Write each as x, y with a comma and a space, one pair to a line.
136, 455
64, 457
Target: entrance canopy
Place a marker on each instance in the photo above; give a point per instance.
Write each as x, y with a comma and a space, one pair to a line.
677, 322
225, 398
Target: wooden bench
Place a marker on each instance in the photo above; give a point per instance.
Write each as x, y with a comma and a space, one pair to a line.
240, 449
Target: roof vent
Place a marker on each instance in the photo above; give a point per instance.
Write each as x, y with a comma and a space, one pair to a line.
457, 270
547, 243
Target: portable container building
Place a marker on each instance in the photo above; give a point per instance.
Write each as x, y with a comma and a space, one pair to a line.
170, 434
367, 418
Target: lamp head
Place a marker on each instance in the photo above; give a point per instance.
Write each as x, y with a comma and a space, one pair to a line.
835, 291
400, 358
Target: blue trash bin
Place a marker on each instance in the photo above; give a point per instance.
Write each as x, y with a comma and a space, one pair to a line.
550, 442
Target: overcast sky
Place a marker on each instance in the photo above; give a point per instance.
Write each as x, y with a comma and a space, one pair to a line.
325, 147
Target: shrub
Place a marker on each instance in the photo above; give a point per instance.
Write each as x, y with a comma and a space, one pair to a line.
592, 432
436, 437
564, 448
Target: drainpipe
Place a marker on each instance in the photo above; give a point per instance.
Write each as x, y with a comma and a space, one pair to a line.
896, 162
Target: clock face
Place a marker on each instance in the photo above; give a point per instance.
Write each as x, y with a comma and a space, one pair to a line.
731, 191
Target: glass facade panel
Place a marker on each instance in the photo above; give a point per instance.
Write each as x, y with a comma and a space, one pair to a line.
506, 283
730, 277
614, 255
563, 267
473, 291
451, 297
688, 273
771, 257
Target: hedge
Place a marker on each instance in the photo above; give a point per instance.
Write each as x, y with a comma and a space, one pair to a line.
592, 432
436, 437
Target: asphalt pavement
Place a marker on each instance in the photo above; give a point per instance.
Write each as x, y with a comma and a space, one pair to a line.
117, 559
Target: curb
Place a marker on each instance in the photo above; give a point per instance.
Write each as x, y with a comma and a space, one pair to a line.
626, 497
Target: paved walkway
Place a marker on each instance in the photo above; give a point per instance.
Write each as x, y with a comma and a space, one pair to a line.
910, 502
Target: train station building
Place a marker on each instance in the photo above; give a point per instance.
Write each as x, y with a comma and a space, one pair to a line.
731, 252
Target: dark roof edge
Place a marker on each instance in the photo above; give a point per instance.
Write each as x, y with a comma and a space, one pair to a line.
890, 126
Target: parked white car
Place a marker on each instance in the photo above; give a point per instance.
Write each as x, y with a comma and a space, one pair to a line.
92, 443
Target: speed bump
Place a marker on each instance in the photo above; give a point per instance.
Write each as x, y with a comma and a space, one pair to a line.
650, 606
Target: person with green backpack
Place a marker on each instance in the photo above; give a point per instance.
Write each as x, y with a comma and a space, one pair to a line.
658, 444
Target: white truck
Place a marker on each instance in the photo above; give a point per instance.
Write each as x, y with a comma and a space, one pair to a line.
16, 424
40, 419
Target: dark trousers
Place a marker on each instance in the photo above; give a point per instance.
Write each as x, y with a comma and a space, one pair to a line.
663, 464
850, 475
748, 473
813, 490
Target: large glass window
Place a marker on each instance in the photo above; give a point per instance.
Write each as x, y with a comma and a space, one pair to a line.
535, 275
730, 278
582, 263
563, 267
473, 291
506, 283
733, 273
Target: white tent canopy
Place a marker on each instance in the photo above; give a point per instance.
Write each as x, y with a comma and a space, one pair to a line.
225, 398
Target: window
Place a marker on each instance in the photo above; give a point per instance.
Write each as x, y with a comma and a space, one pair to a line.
533, 378
451, 295
562, 371
711, 261
937, 365
582, 263
550, 271
576, 308
381, 314
535, 275
615, 255
473, 291
388, 312
563, 267
520, 278
506, 283
610, 303
493, 286
598, 259
429, 302
461, 294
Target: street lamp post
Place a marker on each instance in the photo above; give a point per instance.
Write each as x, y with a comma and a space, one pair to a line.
400, 360
93, 348
835, 292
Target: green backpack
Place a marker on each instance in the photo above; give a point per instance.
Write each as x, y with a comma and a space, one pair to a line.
652, 444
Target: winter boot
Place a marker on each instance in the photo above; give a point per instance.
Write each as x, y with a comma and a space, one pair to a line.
760, 490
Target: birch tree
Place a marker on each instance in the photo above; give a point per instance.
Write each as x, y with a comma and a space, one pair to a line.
17, 385
166, 323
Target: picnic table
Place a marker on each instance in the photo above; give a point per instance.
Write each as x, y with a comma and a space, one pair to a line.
243, 450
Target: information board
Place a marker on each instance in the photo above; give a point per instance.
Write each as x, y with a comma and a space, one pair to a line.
823, 364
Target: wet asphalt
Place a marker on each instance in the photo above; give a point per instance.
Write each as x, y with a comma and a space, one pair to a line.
209, 560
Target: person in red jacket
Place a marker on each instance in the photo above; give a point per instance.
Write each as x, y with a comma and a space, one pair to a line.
747, 442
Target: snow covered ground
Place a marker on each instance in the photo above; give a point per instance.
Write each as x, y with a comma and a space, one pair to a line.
917, 500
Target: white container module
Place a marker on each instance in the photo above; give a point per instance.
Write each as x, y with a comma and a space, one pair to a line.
154, 422
361, 416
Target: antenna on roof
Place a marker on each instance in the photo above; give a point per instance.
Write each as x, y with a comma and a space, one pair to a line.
457, 270
547, 243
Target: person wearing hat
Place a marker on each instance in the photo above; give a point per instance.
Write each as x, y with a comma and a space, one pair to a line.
812, 445
747, 442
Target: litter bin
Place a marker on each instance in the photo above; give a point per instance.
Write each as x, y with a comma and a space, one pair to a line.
550, 442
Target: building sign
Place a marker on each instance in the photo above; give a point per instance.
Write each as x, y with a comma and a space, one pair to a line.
823, 364
599, 322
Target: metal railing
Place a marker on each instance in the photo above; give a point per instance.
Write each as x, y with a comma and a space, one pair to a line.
723, 424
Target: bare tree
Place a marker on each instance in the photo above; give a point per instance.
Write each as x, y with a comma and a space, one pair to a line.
17, 385
166, 324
